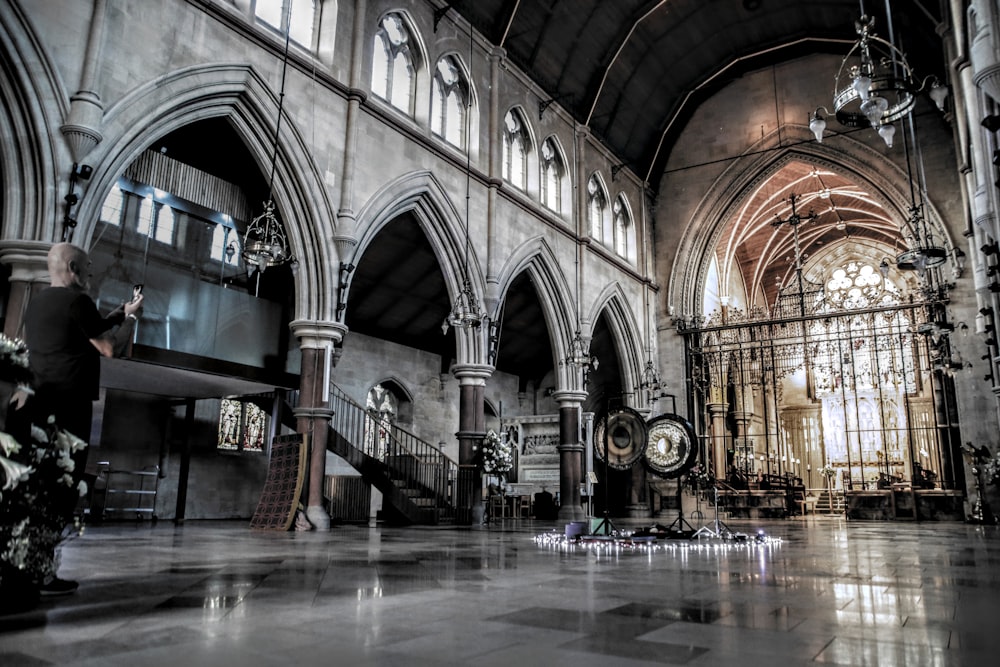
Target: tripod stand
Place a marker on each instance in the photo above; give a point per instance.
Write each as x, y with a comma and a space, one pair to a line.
605, 525
680, 524
715, 531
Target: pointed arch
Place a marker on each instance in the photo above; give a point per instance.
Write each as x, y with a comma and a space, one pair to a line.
625, 333
885, 180
31, 152
421, 194
536, 257
238, 93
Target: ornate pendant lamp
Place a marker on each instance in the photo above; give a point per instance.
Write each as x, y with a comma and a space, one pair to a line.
465, 311
265, 243
874, 87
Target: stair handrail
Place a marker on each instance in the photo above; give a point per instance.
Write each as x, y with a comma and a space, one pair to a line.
406, 458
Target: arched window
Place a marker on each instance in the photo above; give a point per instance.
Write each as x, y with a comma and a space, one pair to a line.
450, 102
393, 63
624, 229
111, 210
226, 245
515, 150
597, 204
156, 220
383, 407
298, 17
552, 176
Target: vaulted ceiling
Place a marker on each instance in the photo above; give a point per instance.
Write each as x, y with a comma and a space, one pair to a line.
634, 71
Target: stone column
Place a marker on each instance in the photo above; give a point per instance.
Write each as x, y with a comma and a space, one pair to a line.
29, 273
471, 431
318, 341
571, 449
717, 451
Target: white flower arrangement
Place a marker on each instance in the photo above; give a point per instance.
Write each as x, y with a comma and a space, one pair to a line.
496, 455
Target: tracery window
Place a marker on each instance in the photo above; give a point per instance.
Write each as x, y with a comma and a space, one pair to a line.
450, 102
597, 204
516, 145
383, 407
623, 229
394, 63
553, 172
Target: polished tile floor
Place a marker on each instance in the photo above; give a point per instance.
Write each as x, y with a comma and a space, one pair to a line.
831, 592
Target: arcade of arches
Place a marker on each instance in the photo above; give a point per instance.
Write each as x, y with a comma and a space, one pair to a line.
490, 230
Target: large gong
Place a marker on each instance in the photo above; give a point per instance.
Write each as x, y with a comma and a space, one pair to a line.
670, 446
621, 437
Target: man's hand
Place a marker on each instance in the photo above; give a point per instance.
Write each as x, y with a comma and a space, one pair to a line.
19, 398
134, 307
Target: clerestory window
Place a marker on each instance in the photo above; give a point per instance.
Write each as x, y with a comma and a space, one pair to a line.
450, 102
394, 63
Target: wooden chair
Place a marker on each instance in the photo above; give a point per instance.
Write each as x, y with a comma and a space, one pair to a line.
523, 506
499, 508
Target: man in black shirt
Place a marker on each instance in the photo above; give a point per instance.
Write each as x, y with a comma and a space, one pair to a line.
66, 336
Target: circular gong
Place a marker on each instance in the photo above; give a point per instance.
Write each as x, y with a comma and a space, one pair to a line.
670, 446
620, 437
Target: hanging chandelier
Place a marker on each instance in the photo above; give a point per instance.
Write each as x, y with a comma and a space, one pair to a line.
580, 358
265, 243
874, 87
465, 311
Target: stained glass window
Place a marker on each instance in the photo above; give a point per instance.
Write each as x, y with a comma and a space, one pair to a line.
242, 426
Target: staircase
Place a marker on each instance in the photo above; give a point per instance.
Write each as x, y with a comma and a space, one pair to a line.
829, 502
416, 479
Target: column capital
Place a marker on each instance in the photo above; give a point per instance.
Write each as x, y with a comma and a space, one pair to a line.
569, 398
26, 259
312, 413
472, 374
317, 334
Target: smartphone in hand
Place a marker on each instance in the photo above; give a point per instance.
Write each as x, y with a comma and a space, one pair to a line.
136, 291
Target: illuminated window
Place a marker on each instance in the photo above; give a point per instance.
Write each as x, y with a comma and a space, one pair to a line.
393, 63
624, 230
450, 101
242, 426
226, 244
383, 407
296, 16
552, 176
597, 204
156, 221
516, 145
111, 210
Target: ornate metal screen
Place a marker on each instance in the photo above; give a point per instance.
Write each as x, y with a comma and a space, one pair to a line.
842, 383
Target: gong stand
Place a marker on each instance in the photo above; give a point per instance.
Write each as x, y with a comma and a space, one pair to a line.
708, 529
605, 526
680, 522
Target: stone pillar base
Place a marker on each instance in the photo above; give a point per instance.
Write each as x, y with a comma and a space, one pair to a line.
569, 513
318, 518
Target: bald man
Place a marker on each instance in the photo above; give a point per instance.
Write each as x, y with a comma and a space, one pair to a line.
66, 336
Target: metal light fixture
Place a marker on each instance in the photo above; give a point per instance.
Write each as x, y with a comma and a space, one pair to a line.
465, 311
265, 244
580, 357
874, 86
